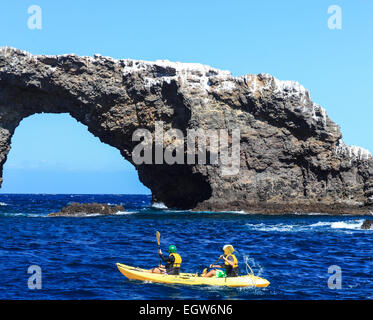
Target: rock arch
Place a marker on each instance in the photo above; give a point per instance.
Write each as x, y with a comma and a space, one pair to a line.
292, 156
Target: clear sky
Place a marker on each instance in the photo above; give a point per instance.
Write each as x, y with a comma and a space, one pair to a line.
289, 39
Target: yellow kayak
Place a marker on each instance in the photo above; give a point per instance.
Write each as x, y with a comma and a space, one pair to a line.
191, 278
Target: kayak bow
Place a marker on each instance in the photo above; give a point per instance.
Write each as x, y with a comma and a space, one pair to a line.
191, 278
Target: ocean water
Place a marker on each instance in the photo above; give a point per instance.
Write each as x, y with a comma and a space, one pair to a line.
77, 256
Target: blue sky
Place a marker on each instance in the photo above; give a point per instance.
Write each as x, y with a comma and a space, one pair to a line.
288, 39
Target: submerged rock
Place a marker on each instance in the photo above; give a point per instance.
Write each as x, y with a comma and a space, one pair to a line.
291, 156
367, 224
83, 209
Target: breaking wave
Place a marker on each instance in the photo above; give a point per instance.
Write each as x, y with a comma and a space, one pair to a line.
352, 225
301, 227
20, 214
280, 227
345, 225
121, 213
158, 205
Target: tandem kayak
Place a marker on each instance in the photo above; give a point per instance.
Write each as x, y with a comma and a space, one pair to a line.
191, 278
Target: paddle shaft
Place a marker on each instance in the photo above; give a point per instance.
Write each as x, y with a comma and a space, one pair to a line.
217, 260
158, 236
205, 270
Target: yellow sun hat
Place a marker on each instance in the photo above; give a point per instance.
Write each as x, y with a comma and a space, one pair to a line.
228, 249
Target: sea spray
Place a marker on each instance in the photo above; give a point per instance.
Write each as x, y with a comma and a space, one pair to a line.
158, 205
251, 264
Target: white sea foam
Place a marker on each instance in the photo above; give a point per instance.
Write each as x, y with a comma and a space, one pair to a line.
280, 227
321, 225
88, 215
350, 224
3, 204
347, 225
159, 205
236, 211
84, 215
122, 213
312, 214
21, 214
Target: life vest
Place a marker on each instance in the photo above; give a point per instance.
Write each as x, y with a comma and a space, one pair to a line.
177, 261
235, 261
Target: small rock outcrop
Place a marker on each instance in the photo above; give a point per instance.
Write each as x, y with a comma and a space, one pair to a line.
367, 224
291, 158
83, 209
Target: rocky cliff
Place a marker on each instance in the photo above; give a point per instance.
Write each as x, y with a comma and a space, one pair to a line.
291, 154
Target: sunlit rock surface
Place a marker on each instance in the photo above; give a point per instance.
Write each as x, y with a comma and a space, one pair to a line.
292, 158
367, 224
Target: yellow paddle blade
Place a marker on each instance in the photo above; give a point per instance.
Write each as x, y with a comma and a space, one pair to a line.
158, 235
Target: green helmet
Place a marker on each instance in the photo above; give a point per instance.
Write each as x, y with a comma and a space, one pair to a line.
172, 248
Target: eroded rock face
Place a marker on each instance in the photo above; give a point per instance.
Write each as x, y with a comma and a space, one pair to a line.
292, 157
76, 209
367, 224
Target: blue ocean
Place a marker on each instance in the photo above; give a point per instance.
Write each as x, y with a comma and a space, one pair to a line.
77, 256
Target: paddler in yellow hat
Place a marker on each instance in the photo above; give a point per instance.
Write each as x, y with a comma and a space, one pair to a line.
230, 266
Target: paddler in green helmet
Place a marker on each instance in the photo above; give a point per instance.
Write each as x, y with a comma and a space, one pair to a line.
173, 262
230, 266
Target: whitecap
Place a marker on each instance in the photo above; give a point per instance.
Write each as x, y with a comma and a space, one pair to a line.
347, 225
277, 227
159, 205
321, 224
312, 214
120, 213
85, 215
239, 212
324, 225
20, 214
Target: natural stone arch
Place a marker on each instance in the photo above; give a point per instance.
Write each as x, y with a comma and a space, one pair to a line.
292, 158
109, 111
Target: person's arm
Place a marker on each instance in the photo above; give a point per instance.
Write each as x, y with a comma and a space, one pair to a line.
230, 260
217, 265
165, 258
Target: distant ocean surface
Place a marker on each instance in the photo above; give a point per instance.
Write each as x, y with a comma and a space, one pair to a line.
77, 256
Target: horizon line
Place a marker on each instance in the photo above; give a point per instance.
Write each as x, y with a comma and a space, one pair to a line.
44, 193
